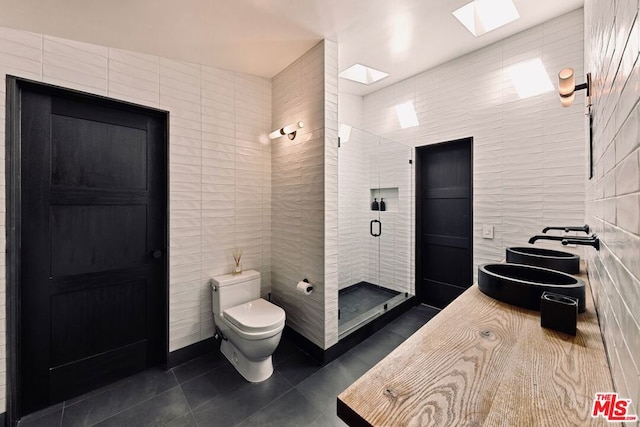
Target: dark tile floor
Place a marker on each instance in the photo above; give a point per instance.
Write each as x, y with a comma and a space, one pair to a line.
207, 391
361, 297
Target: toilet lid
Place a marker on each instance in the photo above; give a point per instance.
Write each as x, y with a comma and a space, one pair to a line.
255, 316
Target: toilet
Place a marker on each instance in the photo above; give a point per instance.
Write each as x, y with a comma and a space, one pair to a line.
250, 326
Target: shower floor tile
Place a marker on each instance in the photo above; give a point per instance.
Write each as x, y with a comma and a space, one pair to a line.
360, 298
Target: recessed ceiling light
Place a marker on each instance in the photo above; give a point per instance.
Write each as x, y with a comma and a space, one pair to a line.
407, 115
530, 78
482, 16
362, 74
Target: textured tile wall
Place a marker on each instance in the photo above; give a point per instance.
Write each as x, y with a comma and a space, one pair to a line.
612, 43
350, 109
220, 161
528, 153
298, 194
330, 106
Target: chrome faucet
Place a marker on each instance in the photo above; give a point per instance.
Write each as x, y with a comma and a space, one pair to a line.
592, 240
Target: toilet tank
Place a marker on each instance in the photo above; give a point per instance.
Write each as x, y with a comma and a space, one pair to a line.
230, 290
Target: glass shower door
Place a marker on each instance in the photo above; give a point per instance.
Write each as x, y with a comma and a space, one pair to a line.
374, 194
395, 190
375, 223
391, 174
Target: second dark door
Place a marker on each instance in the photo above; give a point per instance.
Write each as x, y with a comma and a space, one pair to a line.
93, 235
444, 221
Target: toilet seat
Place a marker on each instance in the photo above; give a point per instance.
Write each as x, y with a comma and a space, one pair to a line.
255, 319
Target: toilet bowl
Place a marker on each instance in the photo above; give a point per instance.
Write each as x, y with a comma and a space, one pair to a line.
250, 326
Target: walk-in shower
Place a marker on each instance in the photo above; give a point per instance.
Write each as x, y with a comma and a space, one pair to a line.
375, 227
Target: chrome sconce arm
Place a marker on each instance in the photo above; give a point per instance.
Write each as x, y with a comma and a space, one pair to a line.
567, 89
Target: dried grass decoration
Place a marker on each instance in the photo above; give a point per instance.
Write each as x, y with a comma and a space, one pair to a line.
237, 255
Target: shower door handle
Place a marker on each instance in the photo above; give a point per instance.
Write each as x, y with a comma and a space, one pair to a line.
379, 228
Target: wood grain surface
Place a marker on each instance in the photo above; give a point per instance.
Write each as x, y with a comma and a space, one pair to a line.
481, 362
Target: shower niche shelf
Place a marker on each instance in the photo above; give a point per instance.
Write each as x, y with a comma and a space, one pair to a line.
390, 196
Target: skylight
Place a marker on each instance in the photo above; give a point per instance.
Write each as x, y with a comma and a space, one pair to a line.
482, 16
362, 74
530, 78
407, 115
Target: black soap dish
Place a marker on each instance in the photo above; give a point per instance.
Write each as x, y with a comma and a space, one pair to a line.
559, 312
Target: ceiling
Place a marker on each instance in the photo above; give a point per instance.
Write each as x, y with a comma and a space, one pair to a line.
262, 37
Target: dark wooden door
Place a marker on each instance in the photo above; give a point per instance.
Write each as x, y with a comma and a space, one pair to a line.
444, 221
93, 235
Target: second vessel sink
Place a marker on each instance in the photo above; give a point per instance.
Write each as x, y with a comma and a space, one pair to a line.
523, 285
547, 258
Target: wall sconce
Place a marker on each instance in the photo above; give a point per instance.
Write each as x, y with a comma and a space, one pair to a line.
289, 130
567, 87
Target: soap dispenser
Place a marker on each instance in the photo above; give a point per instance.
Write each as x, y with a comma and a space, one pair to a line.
383, 206
375, 206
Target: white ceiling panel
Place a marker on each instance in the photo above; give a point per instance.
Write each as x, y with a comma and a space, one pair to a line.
262, 37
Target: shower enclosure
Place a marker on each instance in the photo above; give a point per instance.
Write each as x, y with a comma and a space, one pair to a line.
374, 227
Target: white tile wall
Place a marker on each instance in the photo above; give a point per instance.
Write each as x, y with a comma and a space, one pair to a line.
305, 194
75, 65
612, 43
528, 154
330, 193
303, 205
220, 161
350, 109
134, 77
180, 95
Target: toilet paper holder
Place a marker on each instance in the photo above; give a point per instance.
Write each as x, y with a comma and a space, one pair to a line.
307, 289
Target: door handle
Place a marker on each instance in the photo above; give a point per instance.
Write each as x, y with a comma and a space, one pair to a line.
156, 254
371, 228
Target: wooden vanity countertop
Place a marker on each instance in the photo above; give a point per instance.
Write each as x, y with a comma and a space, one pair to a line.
481, 362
